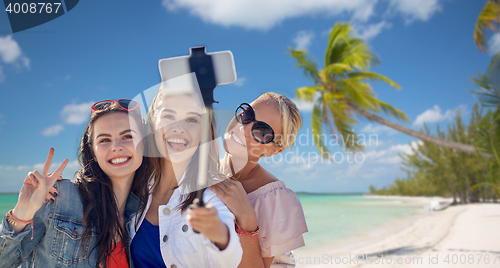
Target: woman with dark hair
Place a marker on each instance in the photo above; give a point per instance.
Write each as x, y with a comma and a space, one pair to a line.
261, 203
166, 236
86, 225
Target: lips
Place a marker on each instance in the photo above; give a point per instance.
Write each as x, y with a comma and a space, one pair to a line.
119, 161
177, 144
236, 139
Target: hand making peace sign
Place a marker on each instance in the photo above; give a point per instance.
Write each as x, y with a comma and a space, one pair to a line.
35, 188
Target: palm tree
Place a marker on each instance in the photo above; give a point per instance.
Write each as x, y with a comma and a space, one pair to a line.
489, 84
488, 93
341, 91
489, 18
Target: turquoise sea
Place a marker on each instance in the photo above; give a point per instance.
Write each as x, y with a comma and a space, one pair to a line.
330, 217
7, 202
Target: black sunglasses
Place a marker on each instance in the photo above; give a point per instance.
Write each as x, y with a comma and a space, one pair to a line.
261, 132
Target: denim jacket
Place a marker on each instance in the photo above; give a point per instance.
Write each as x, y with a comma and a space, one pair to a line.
57, 234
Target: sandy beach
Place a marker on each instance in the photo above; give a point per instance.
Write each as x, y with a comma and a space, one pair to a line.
458, 236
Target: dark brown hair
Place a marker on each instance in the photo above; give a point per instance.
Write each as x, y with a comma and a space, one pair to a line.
192, 170
100, 209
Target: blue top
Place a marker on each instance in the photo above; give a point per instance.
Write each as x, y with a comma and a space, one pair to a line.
145, 247
57, 234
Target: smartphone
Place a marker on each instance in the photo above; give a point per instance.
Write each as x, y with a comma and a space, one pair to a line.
222, 63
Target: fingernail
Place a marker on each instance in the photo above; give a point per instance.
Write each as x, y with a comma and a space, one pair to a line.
55, 194
189, 207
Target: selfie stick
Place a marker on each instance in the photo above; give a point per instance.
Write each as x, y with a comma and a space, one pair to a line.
203, 66
211, 69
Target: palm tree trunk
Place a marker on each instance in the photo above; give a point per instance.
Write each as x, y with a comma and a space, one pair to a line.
417, 134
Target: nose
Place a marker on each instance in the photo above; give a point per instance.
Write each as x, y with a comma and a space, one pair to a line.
246, 129
178, 127
117, 146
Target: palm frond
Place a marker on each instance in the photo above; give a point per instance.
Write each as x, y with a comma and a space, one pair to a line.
358, 92
307, 94
374, 77
488, 134
359, 55
487, 92
343, 121
487, 19
334, 47
337, 68
305, 62
389, 109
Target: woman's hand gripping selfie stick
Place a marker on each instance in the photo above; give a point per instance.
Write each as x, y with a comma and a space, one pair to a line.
211, 69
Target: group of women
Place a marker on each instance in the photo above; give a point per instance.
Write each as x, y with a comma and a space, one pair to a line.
128, 206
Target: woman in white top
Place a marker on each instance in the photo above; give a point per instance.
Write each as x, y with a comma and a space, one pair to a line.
257, 198
165, 236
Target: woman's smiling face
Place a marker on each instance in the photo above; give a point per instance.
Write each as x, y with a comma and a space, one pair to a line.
113, 144
238, 139
178, 127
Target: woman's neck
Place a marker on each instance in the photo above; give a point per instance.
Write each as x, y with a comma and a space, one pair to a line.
170, 176
121, 189
241, 169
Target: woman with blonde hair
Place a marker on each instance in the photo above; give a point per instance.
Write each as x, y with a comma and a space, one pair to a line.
264, 208
167, 235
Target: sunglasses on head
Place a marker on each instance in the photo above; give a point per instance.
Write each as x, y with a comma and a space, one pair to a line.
127, 105
261, 132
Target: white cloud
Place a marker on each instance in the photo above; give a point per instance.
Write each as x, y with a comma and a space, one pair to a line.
370, 31
71, 166
53, 130
241, 81
9, 49
494, 44
76, 113
265, 14
434, 115
405, 148
303, 105
378, 129
11, 53
415, 9
303, 40
74, 165
390, 156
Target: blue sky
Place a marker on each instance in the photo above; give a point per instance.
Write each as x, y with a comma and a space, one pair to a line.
51, 74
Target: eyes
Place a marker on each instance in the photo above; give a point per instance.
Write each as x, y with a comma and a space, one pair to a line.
126, 137
171, 117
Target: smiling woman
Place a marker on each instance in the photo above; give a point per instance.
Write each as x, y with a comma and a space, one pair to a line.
165, 235
85, 226
261, 203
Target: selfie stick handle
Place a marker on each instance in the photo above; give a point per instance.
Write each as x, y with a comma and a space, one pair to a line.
203, 159
201, 64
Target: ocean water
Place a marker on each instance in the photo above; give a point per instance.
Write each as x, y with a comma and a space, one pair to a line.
7, 202
331, 218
